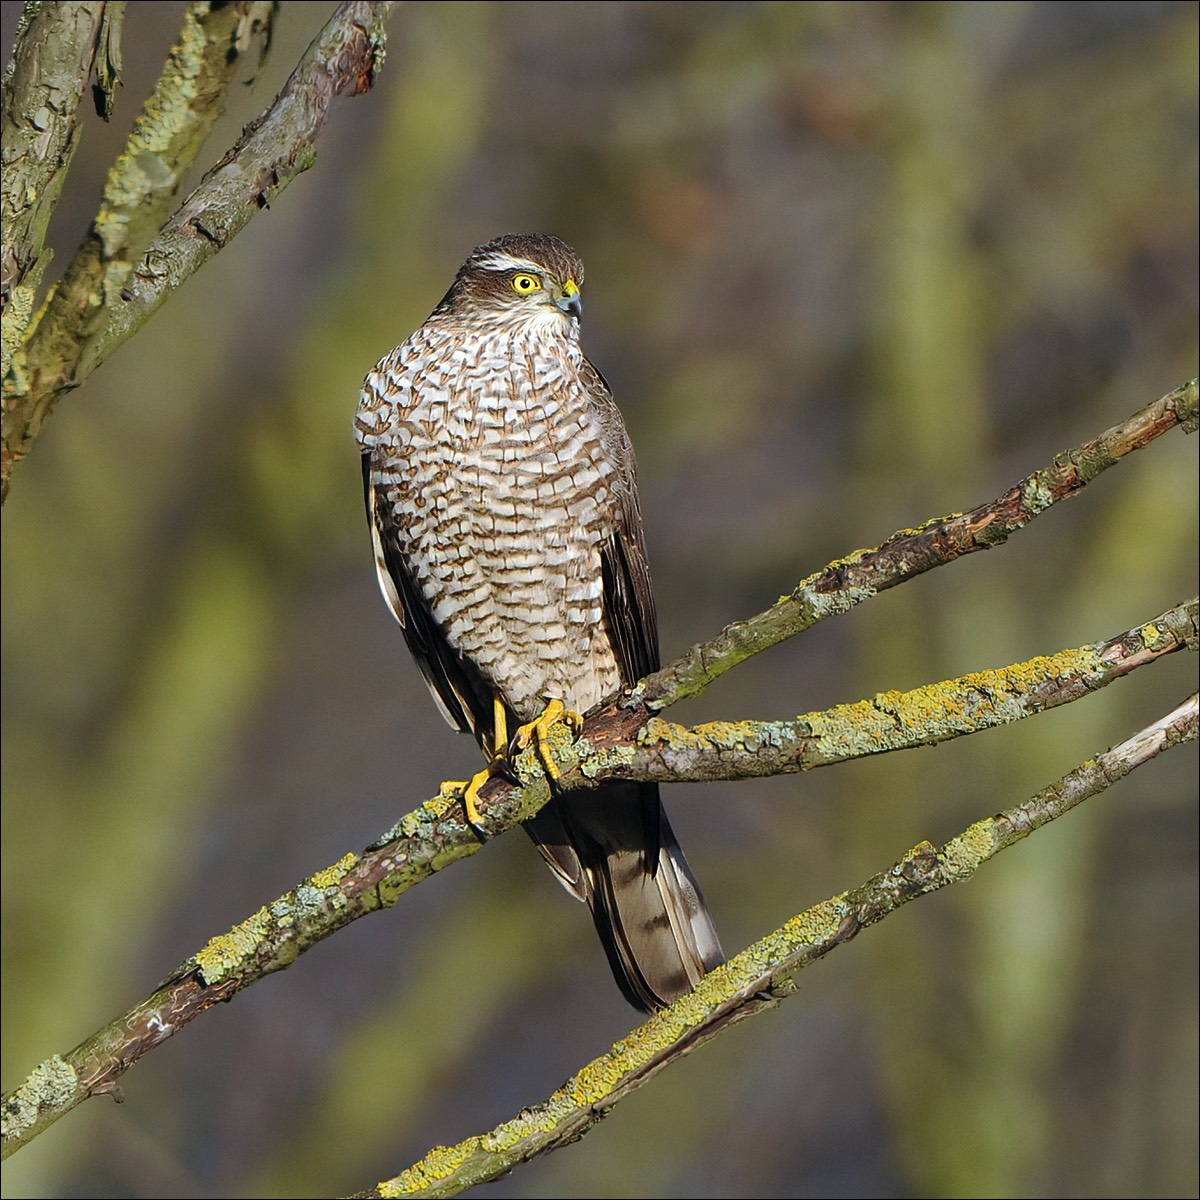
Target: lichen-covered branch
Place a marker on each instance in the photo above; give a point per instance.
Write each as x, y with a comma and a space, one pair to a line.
43, 84
139, 194
60, 1083
130, 265
616, 742
892, 720
841, 585
762, 974
343, 61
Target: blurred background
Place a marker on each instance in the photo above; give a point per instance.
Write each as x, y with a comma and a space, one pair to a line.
850, 266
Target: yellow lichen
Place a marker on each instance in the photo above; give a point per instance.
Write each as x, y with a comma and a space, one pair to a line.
228, 952
332, 876
679, 737
816, 925
436, 1167
973, 846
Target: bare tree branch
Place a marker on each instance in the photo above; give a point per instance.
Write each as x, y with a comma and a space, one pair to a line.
762, 974
889, 721
43, 84
436, 834
140, 190
843, 584
111, 291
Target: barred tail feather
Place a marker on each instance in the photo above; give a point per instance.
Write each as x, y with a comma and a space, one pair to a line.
614, 848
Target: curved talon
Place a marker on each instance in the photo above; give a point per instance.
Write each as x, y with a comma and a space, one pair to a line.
537, 731
468, 790
498, 764
503, 767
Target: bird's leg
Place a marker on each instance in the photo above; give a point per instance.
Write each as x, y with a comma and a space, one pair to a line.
497, 765
537, 731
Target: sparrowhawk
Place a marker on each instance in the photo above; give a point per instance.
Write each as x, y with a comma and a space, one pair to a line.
501, 494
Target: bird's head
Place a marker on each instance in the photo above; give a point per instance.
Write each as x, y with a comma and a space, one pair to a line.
520, 281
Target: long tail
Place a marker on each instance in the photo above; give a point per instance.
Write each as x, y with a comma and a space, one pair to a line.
614, 848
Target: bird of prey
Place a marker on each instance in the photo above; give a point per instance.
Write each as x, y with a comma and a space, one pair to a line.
502, 500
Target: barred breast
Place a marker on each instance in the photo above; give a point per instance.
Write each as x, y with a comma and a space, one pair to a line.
491, 460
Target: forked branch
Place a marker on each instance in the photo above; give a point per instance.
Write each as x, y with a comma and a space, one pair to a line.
132, 259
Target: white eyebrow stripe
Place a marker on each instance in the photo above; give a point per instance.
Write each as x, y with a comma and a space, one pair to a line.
505, 262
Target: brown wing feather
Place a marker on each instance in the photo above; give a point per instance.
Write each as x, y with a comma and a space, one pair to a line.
628, 595
457, 686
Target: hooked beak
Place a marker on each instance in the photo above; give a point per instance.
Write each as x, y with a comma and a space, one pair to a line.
571, 302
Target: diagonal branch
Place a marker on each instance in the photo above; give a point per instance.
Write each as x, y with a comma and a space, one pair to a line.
139, 194
925, 716
843, 584
761, 974
121, 290
612, 745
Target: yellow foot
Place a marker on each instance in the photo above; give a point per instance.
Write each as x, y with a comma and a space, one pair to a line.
497, 765
537, 732
468, 789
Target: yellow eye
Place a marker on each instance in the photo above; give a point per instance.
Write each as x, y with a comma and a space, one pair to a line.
524, 284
